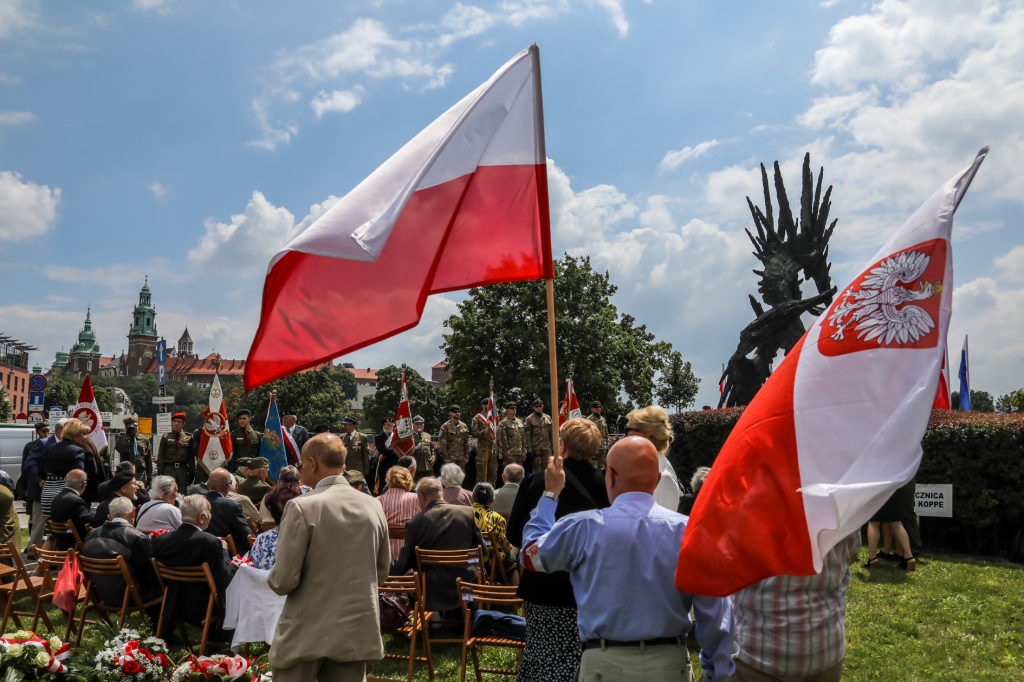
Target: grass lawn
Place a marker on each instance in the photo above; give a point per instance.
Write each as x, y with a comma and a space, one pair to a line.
955, 618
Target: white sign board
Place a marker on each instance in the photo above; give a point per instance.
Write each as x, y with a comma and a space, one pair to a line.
163, 423
56, 414
35, 408
934, 500
163, 400
105, 416
35, 417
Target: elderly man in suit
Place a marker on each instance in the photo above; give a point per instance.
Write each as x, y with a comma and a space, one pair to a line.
331, 536
298, 432
227, 517
68, 505
440, 526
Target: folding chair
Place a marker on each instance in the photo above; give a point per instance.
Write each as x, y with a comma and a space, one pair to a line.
252, 539
231, 545
396, 532
132, 602
486, 596
418, 622
496, 568
47, 560
456, 557
61, 527
190, 574
21, 583
264, 526
253, 526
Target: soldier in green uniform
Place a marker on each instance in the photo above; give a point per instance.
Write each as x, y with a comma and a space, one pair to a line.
357, 444
255, 486
135, 448
177, 454
424, 452
454, 439
241, 468
602, 425
512, 437
245, 440
538, 436
486, 447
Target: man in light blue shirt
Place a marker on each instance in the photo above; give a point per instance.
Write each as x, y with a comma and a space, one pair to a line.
632, 620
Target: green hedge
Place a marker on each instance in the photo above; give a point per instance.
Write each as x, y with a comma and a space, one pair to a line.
981, 454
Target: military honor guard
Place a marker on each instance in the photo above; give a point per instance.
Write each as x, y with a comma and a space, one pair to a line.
486, 447
602, 425
255, 486
538, 436
134, 447
512, 437
245, 441
423, 453
454, 439
177, 454
358, 446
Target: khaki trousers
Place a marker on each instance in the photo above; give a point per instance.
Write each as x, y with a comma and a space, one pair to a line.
748, 673
486, 459
662, 663
323, 670
38, 526
599, 459
179, 474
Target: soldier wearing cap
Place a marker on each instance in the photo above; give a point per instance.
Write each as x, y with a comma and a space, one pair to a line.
424, 453
538, 436
486, 446
177, 454
245, 440
596, 417
134, 448
241, 468
255, 486
454, 439
512, 437
358, 446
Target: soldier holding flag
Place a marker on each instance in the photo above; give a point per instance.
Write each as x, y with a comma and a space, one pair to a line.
486, 445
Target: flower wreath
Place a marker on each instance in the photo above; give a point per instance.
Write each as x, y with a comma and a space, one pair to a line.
214, 669
49, 655
128, 656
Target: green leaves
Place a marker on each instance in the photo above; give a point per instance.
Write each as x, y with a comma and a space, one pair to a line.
677, 386
425, 399
315, 396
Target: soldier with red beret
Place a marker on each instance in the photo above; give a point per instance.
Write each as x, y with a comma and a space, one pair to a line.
177, 455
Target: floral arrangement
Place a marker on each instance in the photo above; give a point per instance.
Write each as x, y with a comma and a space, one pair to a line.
31, 656
128, 656
215, 669
239, 560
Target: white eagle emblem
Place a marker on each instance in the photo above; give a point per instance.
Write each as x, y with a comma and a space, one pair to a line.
875, 307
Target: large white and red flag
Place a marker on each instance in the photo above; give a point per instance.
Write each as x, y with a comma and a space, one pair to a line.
463, 204
837, 427
570, 406
87, 411
941, 401
215, 437
489, 416
401, 439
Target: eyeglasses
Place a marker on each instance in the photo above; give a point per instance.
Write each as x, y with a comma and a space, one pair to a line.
630, 428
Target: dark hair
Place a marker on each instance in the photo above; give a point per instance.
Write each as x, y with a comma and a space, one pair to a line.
278, 497
126, 465
406, 462
483, 493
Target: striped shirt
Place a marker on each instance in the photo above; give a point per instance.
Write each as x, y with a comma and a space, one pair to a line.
796, 626
399, 507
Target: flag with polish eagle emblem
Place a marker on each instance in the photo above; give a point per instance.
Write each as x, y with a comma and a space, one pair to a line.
400, 439
837, 427
87, 411
490, 417
215, 437
570, 406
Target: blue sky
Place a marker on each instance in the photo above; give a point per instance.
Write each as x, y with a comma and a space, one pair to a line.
188, 141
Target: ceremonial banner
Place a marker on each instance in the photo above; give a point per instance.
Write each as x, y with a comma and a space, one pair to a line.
941, 401
463, 204
965, 379
570, 407
273, 448
88, 412
215, 438
401, 440
837, 427
489, 417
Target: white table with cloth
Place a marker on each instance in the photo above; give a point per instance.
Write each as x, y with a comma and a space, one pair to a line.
252, 608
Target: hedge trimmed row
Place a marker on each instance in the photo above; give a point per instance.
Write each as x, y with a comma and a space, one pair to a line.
981, 454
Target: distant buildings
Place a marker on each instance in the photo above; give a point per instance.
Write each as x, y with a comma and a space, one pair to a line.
439, 373
14, 372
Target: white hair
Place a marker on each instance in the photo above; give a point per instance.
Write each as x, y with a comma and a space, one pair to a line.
192, 506
75, 479
452, 475
121, 507
161, 485
61, 423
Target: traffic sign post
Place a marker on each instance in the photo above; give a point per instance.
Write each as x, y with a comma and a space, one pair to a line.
21, 418
163, 400
35, 417
37, 383
35, 401
163, 424
161, 362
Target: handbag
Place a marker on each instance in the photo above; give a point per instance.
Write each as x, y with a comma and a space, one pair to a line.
69, 582
395, 608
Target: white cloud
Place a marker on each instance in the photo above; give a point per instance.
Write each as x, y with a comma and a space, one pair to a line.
828, 3
9, 80
272, 136
993, 316
1012, 263
12, 18
674, 160
342, 101
158, 190
834, 110
118, 277
465, 21
26, 209
13, 118
159, 6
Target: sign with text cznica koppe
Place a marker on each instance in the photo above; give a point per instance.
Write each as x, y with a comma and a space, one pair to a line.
934, 500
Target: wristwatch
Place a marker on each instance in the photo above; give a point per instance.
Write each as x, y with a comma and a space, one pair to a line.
550, 495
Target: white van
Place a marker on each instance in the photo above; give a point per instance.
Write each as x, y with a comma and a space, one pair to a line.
12, 442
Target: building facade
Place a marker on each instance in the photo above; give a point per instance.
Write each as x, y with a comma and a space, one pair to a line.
439, 373
142, 336
14, 372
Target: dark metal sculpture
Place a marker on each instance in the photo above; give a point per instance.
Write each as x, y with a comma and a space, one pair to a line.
786, 251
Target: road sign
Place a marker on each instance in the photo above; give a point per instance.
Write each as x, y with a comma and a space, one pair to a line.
22, 418
163, 423
35, 408
35, 417
163, 400
161, 362
145, 426
36, 398
106, 416
37, 383
934, 500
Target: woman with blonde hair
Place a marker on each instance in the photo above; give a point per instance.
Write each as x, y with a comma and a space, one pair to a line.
652, 423
60, 458
400, 504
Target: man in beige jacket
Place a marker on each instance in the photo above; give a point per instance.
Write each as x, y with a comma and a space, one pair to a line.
332, 551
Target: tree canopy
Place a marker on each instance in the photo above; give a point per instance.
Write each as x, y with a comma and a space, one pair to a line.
1011, 402
315, 397
981, 401
501, 331
425, 399
5, 405
677, 386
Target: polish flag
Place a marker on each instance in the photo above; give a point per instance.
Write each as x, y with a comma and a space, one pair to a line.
570, 407
490, 417
463, 204
837, 427
215, 436
941, 401
87, 411
401, 439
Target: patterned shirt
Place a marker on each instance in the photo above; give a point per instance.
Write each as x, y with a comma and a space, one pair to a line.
399, 507
264, 550
487, 520
796, 626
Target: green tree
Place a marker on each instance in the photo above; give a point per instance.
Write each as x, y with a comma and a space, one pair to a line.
981, 401
5, 405
104, 400
677, 386
501, 331
61, 392
346, 379
314, 396
425, 399
1011, 402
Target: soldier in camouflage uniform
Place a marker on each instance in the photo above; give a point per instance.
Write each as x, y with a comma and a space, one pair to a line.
602, 425
512, 437
245, 441
424, 452
538, 436
357, 444
486, 447
134, 448
454, 439
177, 454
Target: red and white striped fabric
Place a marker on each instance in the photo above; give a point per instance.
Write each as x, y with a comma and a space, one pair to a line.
942, 399
463, 204
570, 406
837, 428
87, 411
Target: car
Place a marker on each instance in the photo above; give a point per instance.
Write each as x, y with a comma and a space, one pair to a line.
13, 438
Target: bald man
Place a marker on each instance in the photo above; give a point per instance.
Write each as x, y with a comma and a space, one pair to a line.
226, 515
639, 633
